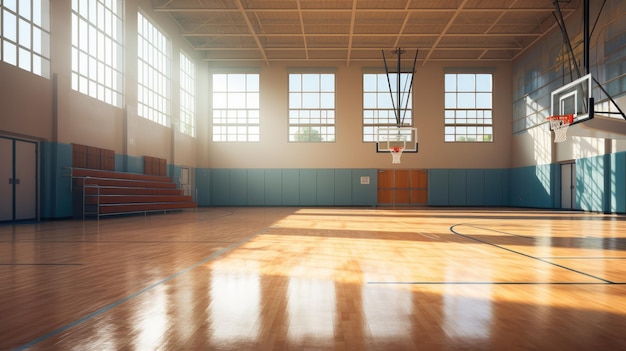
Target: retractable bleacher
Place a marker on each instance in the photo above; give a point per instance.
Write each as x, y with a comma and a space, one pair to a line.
102, 192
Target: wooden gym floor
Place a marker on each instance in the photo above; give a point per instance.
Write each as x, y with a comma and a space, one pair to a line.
317, 279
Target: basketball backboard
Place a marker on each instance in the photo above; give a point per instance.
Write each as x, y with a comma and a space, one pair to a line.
388, 138
573, 98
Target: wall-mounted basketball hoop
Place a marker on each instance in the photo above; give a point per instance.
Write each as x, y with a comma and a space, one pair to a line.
559, 125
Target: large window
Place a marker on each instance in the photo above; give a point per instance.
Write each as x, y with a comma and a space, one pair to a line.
187, 96
97, 49
380, 104
236, 107
153, 73
311, 107
468, 107
25, 35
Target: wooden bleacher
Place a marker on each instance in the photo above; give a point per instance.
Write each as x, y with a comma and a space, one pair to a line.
102, 192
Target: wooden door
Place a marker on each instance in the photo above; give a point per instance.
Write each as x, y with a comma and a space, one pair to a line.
402, 187
419, 187
385, 186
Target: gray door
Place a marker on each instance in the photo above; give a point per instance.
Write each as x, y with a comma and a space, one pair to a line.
18, 180
25, 180
568, 186
6, 179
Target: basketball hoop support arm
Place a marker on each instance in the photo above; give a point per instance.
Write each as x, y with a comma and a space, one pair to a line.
586, 44
398, 109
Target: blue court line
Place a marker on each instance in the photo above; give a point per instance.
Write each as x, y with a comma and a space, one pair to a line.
119, 302
527, 255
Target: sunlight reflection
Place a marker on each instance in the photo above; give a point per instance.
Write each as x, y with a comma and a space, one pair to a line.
311, 306
104, 338
235, 303
387, 312
468, 315
185, 313
151, 319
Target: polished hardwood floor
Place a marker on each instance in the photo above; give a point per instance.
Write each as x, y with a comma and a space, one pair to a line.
317, 279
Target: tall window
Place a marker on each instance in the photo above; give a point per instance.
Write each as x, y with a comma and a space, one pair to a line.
97, 49
311, 107
25, 35
187, 96
380, 106
153, 73
468, 107
236, 107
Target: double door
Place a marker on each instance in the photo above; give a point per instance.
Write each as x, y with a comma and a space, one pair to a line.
18, 180
402, 187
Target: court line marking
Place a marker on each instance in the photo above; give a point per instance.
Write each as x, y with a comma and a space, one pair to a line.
452, 229
582, 258
499, 231
495, 283
134, 295
42, 264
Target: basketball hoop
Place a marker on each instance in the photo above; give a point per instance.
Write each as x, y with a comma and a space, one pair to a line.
559, 124
396, 152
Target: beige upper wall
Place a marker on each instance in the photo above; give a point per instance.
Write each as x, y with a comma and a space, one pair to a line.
348, 151
25, 103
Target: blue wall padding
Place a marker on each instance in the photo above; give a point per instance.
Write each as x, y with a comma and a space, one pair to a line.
468, 187
286, 187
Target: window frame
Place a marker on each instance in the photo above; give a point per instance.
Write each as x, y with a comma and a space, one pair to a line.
312, 110
234, 121
98, 63
28, 38
469, 118
154, 61
187, 100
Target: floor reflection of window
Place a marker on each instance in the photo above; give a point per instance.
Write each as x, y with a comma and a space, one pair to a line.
152, 319
185, 319
387, 311
311, 308
467, 312
234, 309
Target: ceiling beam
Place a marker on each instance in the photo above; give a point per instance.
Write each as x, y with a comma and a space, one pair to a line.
445, 29
347, 10
306, 52
409, 35
352, 22
253, 32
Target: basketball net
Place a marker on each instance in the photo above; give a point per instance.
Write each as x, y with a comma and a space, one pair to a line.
559, 125
396, 152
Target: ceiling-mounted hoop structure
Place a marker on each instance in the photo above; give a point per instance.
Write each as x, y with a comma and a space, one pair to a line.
402, 136
585, 75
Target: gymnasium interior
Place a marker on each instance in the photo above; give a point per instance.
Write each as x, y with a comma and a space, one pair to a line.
219, 175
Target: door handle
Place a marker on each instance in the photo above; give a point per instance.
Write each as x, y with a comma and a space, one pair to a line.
10, 180
17, 181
